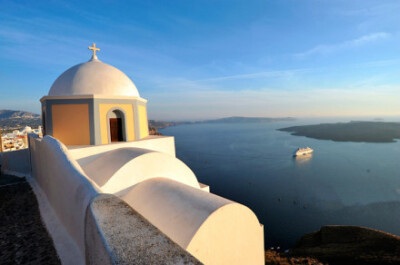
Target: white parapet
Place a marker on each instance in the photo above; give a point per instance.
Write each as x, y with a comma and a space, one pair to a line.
117, 170
163, 144
213, 229
65, 186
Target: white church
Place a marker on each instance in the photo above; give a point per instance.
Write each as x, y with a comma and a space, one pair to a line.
97, 171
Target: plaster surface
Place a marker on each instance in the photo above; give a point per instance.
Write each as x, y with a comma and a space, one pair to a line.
86, 154
15, 163
138, 241
144, 126
93, 78
47, 114
213, 229
119, 169
71, 123
98, 124
66, 187
127, 110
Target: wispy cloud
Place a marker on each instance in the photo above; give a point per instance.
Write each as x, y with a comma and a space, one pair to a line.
280, 79
282, 73
327, 49
374, 9
46, 48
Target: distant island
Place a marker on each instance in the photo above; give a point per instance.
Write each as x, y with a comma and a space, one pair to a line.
354, 131
164, 124
154, 125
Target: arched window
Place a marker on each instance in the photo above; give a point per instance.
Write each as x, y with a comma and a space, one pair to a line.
116, 127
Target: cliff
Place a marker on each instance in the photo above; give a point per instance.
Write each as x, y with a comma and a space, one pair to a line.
355, 131
349, 245
153, 130
162, 124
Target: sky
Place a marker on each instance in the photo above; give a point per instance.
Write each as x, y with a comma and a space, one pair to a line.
209, 59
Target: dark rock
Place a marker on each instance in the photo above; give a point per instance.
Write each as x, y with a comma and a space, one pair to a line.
349, 245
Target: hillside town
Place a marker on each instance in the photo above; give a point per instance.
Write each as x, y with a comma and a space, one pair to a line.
17, 139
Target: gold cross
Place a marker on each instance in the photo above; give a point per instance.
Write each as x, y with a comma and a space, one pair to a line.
94, 49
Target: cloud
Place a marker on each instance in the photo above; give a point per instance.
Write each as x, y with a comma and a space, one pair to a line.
284, 79
282, 73
368, 10
46, 48
326, 49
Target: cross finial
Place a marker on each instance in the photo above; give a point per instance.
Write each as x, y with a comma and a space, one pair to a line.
94, 49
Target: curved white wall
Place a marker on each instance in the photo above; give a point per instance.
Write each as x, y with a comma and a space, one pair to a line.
213, 229
119, 169
159, 187
65, 185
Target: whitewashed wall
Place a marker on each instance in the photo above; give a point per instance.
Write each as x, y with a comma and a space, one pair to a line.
120, 169
86, 154
211, 228
15, 163
65, 185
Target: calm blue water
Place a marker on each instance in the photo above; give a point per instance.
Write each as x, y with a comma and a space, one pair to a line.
342, 183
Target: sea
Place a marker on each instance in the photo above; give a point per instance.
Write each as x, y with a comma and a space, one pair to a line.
342, 183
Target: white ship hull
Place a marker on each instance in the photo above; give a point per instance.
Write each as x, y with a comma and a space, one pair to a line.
303, 151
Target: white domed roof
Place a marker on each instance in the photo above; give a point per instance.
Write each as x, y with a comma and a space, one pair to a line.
93, 78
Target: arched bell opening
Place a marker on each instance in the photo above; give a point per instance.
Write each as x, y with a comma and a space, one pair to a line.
116, 126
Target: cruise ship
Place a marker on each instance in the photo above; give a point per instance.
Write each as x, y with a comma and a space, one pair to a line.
303, 151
